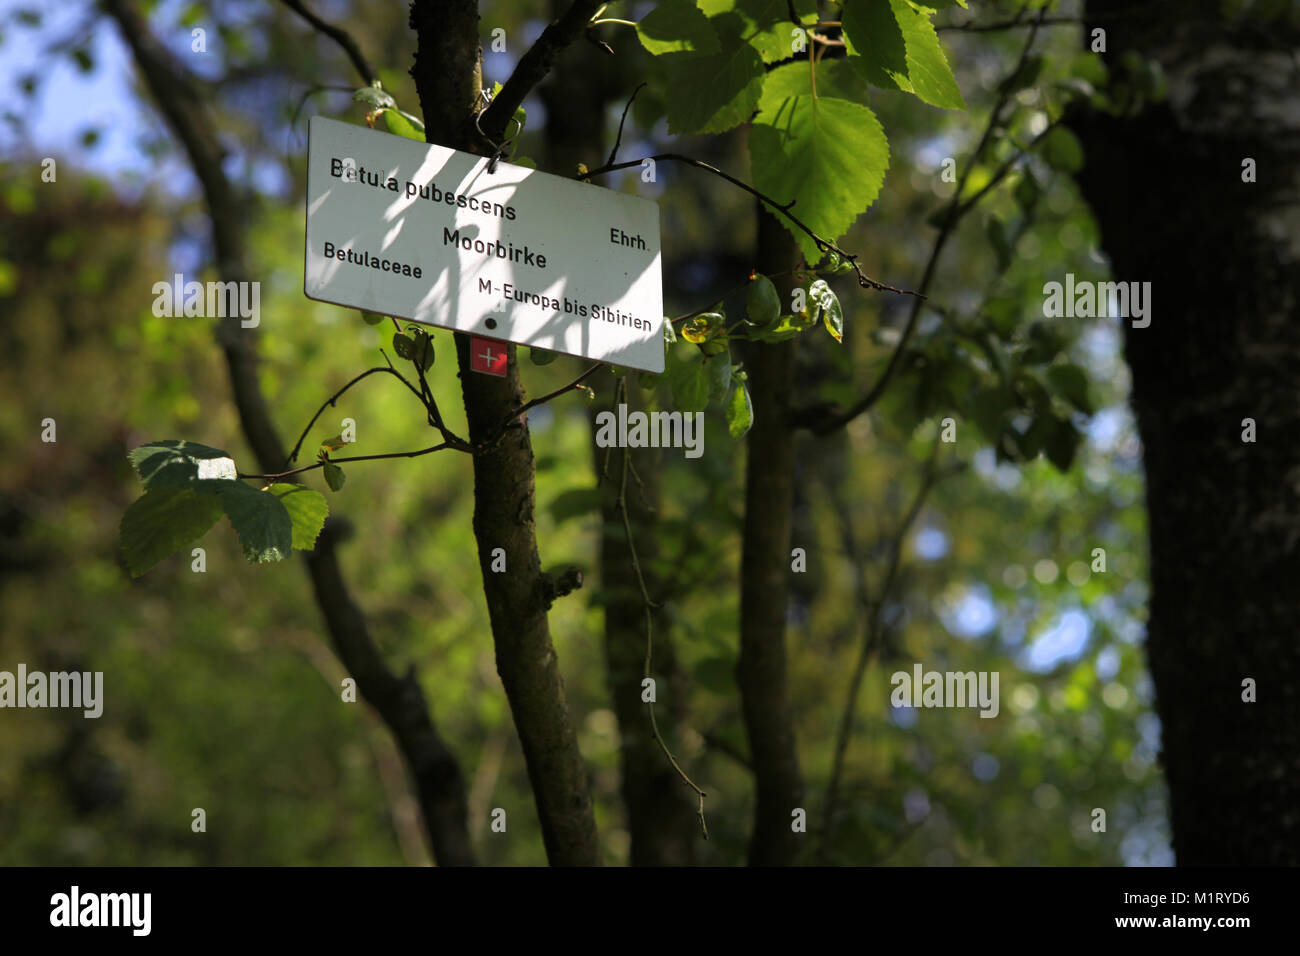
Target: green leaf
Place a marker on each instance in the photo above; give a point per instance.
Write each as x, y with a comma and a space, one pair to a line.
260, 519
719, 372
740, 411
874, 44
404, 124
894, 44
763, 24
162, 521
828, 303
176, 463
542, 356
835, 264
334, 476
403, 345
1061, 444
927, 67
988, 407
1027, 192
690, 385
375, 97
372, 318
829, 155
703, 327
762, 305
787, 328
1062, 150
422, 350
307, 512
710, 92
1071, 383
676, 26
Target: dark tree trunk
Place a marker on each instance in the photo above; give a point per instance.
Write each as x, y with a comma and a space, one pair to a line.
661, 818
439, 784
1223, 345
447, 77
765, 576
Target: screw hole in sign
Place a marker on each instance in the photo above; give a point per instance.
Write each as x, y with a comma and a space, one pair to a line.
487, 356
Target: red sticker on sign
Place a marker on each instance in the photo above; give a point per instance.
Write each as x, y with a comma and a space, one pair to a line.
487, 356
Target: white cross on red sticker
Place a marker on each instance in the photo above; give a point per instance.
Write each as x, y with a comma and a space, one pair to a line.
487, 356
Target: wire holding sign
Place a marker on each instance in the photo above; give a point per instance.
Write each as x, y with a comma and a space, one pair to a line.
424, 233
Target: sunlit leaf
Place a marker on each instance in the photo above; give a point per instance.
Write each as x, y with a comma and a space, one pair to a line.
307, 509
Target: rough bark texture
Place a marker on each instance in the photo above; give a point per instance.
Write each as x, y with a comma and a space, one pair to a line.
765, 577
1223, 345
661, 818
447, 77
399, 701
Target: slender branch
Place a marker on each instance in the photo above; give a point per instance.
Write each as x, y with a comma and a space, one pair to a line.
343, 461
871, 635
534, 65
413, 390
293, 455
1006, 167
309, 93
650, 605
1011, 24
547, 397
817, 420
618, 140
435, 415
823, 245
339, 36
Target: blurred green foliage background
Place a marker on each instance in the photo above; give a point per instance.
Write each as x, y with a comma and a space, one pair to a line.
221, 691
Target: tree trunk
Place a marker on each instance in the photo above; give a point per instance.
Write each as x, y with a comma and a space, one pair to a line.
447, 76
400, 703
1223, 346
765, 576
661, 820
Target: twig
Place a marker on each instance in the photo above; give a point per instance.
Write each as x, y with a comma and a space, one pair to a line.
339, 36
546, 398
618, 140
1047, 21
871, 636
534, 65
823, 245
293, 455
650, 606
343, 461
309, 93
1002, 171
